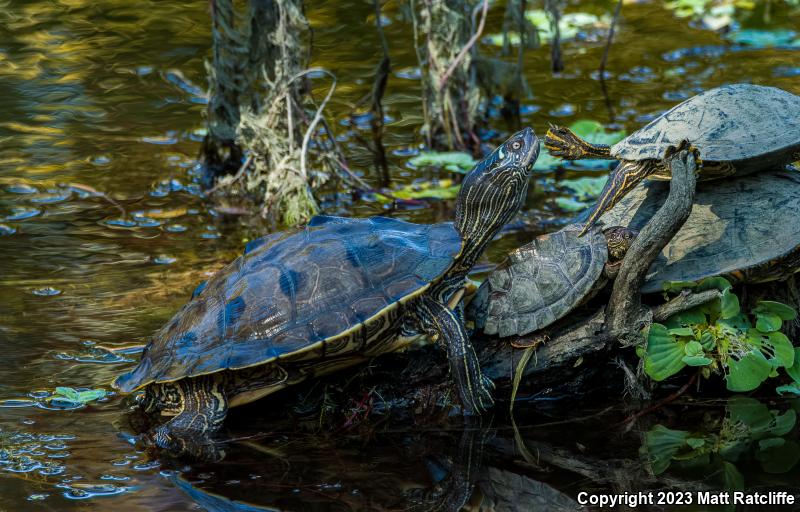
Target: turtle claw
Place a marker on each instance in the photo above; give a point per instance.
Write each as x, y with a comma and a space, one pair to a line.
562, 142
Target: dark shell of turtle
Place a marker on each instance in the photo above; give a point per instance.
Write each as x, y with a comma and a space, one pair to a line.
540, 282
735, 226
729, 123
293, 291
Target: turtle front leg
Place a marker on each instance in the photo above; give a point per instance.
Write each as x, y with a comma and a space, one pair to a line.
445, 325
621, 180
199, 406
564, 143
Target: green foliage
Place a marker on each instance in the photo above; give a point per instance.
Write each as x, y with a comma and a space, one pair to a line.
719, 338
584, 189
80, 397
749, 430
454, 161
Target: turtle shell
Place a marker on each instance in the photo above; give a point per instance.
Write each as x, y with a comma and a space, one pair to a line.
735, 226
541, 282
293, 291
729, 123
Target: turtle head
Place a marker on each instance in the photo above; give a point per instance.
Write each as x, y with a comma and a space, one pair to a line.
494, 191
619, 239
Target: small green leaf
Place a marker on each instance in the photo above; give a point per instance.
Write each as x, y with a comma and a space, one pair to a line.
794, 370
747, 373
766, 322
792, 389
776, 308
695, 442
696, 360
68, 393
729, 306
438, 189
707, 341
783, 353
585, 188
681, 331
678, 286
762, 38
570, 205
455, 161
693, 348
664, 354
713, 283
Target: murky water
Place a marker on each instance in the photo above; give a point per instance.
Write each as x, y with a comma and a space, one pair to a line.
98, 96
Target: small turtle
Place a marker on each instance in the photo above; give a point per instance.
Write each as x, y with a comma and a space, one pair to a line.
544, 280
314, 300
744, 229
738, 129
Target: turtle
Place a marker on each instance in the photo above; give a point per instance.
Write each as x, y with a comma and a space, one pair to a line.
745, 230
542, 281
309, 301
738, 129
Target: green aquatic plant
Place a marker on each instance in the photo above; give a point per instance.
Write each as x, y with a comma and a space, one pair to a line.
454, 161
435, 189
748, 431
79, 397
717, 337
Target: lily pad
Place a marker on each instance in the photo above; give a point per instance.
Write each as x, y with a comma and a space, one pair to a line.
439, 189
454, 161
747, 372
82, 397
585, 188
570, 205
762, 38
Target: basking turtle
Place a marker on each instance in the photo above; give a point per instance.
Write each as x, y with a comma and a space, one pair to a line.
738, 129
313, 300
544, 280
744, 229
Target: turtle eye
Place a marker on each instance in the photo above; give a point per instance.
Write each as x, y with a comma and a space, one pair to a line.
516, 145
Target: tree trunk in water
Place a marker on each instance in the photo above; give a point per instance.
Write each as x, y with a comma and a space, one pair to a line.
444, 33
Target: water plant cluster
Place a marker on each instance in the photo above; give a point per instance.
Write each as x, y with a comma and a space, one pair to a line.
745, 347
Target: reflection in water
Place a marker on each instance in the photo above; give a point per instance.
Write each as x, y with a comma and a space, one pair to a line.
103, 235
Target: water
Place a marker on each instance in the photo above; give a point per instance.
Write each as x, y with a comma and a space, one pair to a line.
96, 98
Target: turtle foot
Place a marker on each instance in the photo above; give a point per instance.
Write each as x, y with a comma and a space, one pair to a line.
563, 143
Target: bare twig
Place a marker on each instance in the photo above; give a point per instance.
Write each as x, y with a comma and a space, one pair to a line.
97, 193
628, 422
467, 47
317, 114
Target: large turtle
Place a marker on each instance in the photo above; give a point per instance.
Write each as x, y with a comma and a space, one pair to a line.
738, 129
310, 301
542, 281
744, 229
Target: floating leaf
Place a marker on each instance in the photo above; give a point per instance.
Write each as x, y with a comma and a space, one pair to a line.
570, 205
683, 331
569, 25
664, 353
766, 322
454, 161
585, 188
793, 389
82, 397
677, 286
763, 38
439, 189
729, 304
748, 372
776, 308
